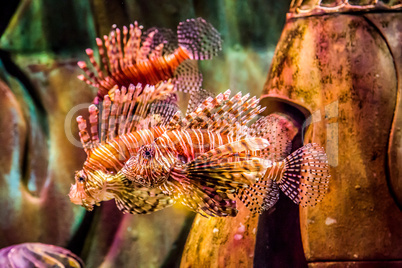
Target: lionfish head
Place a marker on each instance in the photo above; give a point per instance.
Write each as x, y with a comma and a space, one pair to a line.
148, 168
87, 190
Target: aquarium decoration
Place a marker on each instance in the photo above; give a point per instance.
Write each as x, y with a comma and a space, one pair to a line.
38, 255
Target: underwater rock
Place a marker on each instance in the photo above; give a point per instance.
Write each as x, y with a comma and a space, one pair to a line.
38, 255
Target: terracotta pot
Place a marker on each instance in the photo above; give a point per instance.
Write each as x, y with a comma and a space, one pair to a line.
343, 72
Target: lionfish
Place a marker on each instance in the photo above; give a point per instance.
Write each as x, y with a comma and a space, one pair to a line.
206, 160
115, 132
131, 57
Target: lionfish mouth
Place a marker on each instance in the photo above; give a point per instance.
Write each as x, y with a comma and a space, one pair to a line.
78, 198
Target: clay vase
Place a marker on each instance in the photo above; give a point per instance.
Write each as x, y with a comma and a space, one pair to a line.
339, 63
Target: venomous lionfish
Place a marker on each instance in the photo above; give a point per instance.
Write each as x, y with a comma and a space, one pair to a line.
115, 132
131, 57
207, 160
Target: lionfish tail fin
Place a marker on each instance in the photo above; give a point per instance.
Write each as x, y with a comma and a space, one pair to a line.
200, 38
275, 129
305, 175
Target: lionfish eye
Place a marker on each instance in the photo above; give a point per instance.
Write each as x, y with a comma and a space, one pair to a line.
81, 179
147, 152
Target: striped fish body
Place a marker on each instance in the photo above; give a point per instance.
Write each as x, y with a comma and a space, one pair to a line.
186, 145
111, 156
153, 163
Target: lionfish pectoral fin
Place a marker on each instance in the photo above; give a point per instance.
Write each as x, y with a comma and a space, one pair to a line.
142, 201
275, 129
187, 77
162, 36
305, 175
260, 196
200, 38
198, 196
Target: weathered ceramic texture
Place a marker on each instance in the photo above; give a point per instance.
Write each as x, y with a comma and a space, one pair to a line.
344, 71
221, 242
356, 264
38, 255
300, 8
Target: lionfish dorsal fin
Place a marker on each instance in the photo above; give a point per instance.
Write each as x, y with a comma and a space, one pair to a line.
223, 114
85, 137
198, 111
199, 196
197, 98
130, 110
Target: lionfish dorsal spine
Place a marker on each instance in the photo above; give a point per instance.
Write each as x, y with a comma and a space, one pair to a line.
91, 57
103, 57
113, 117
146, 47
84, 135
105, 118
124, 110
93, 120
92, 80
132, 95
222, 114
